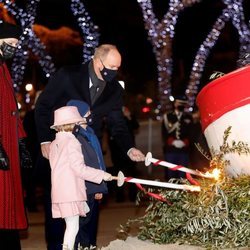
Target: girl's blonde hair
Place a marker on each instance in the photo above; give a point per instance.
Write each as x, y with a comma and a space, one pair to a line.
65, 127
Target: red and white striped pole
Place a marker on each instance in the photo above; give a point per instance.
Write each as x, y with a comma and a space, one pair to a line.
149, 159
121, 179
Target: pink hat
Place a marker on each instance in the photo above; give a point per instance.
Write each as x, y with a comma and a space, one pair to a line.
66, 115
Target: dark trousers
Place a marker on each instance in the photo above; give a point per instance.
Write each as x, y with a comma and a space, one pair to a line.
54, 228
29, 185
122, 162
178, 158
88, 225
10, 240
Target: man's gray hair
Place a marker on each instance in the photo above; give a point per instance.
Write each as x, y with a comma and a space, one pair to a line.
103, 50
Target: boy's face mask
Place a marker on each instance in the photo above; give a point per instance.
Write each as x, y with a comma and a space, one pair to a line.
89, 119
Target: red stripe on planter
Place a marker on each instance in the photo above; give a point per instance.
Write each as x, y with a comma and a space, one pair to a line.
224, 94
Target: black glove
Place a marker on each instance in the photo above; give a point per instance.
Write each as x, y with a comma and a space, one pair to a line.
4, 159
25, 158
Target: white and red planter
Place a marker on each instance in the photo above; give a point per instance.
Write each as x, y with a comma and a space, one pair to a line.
226, 102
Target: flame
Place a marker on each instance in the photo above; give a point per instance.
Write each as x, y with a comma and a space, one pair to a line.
194, 188
216, 173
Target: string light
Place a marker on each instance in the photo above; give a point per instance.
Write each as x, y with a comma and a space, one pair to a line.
161, 36
28, 87
238, 20
201, 56
89, 30
28, 41
233, 11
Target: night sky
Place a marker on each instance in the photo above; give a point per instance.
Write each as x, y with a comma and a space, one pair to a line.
120, 22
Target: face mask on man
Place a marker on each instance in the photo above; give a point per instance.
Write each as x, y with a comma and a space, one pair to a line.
108, 75
8, 51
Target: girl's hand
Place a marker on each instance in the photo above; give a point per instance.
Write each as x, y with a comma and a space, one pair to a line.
107, 177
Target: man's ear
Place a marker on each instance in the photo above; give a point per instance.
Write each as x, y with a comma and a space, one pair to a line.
98, 63
101, 66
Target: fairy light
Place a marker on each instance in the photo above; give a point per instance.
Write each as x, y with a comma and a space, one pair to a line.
27, 42
201, 56
27, 98
161, 36
234, 12
28, 87
89, 30
238, 20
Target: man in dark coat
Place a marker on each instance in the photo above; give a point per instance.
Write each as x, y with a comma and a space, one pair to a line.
12, 212
95, 84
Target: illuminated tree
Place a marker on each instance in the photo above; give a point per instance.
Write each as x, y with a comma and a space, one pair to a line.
234, 12
89, 30
28, 41
161, 36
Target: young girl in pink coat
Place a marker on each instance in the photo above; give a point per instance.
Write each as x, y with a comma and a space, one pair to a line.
68, 172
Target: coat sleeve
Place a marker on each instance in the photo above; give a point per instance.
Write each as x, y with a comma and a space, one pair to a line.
117, 125
46, 104
79, 167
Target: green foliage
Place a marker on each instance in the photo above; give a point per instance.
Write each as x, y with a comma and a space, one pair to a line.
217, 217
218, 157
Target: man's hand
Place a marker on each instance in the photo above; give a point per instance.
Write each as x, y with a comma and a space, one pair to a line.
136, 155
98, 196
45, 148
